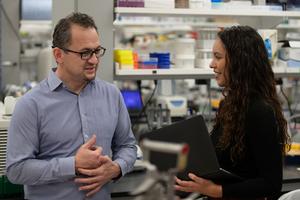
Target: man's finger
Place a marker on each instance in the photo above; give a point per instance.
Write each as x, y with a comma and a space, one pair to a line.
90, 143
98, 150
89, 180
89, 187
97, 189
104, 159
88, 172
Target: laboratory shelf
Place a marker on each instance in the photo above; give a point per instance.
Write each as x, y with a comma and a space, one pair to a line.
171, 25
150, 74
207, 12
196, 73
288, 26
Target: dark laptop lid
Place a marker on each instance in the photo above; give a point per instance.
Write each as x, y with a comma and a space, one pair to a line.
202, 158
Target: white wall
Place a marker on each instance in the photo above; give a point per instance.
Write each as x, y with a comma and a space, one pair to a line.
10, 44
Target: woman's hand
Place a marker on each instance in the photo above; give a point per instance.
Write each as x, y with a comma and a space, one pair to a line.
199, 185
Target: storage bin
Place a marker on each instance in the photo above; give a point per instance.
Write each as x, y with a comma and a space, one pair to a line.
206, 38
181, 3
159, 4
184, 46
163, 60
184, 61
204, 53
195, 4
203, 58
202, 63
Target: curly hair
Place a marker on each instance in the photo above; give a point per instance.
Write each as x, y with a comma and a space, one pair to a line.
248, 69
62, 31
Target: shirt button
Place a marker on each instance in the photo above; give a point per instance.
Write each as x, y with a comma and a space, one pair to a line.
86, 137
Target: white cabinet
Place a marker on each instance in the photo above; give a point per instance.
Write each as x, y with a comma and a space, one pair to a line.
255, 18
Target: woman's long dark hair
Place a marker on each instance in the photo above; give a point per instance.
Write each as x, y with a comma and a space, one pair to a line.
248, 69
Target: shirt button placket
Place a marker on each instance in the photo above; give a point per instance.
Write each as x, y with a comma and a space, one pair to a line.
83, 115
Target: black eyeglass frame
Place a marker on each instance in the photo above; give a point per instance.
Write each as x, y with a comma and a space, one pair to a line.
89, 53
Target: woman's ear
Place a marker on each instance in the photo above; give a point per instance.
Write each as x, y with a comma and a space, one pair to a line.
58, 55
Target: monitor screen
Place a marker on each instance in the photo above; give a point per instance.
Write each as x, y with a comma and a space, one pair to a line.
133, 100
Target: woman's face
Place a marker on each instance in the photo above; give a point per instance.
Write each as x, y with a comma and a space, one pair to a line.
218, 62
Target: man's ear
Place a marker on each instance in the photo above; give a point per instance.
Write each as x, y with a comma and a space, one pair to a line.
58, 55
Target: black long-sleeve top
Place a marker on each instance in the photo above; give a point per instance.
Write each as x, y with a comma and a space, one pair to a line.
262, 164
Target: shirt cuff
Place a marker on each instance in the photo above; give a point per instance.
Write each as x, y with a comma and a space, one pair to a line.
123, 166
67, 166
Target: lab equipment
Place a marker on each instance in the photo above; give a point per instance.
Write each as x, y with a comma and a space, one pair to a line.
176, 104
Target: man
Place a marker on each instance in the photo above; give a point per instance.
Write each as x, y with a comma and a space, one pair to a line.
70, 135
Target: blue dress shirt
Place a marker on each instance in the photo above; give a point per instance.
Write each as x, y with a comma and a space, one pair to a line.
48, 126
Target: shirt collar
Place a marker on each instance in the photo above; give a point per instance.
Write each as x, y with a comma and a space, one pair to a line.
54, 82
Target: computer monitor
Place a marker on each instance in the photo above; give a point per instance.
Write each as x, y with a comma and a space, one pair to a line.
133, 101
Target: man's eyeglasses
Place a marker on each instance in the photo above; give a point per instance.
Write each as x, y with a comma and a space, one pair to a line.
86, 55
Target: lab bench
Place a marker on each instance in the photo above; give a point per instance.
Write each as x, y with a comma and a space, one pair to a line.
121, 189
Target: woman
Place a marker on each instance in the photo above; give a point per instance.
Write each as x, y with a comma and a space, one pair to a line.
250, 132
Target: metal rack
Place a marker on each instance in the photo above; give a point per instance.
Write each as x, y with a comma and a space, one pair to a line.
4, 123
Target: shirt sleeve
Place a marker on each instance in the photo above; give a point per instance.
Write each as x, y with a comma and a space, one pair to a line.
124, 143
23, 165
264, 146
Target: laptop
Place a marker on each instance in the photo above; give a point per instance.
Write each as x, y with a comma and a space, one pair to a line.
202, 159
133, 102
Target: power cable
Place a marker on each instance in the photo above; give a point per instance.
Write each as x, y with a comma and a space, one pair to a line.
146, 105
287, 100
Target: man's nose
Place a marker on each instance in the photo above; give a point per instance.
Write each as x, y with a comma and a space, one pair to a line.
93, 59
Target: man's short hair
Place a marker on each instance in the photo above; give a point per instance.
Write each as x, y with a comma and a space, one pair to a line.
62, 33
